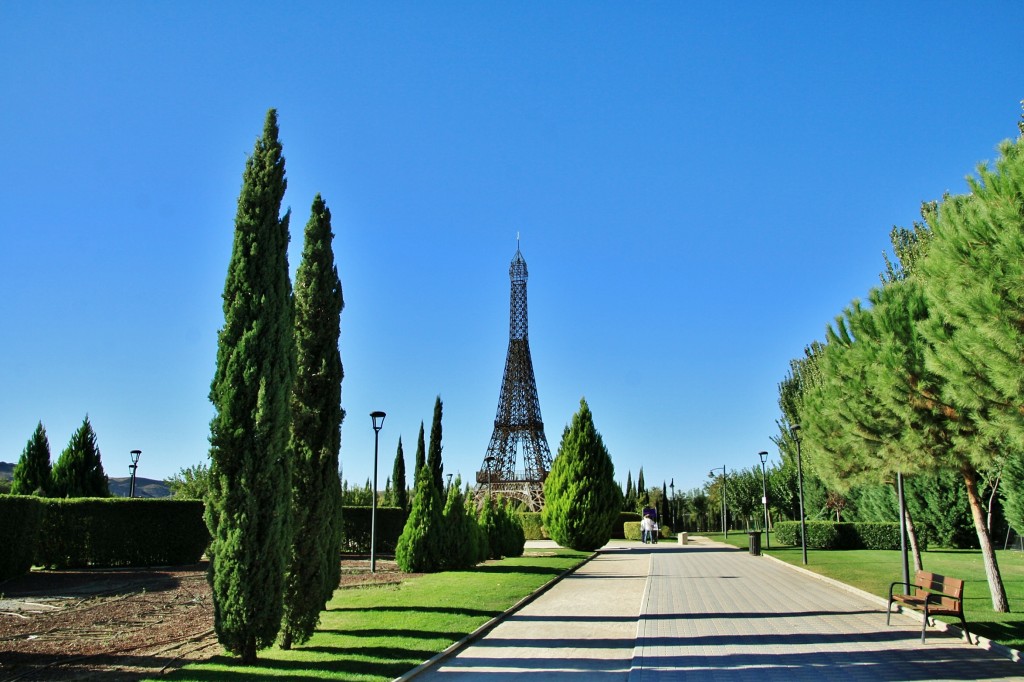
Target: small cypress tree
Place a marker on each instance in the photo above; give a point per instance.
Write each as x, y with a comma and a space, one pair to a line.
582, 500
434, 451
33, 472
421, 458
247, 509
314, 565
400, 495
460, 534
419, 546
79, 470
643, 498
630, 502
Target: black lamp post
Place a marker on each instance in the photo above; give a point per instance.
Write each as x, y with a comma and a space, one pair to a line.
764, 497
725, 527
378, 422
449, 482
672, 503
134, 466
795, 430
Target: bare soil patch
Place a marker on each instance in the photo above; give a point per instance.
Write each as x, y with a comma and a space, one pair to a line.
120, 625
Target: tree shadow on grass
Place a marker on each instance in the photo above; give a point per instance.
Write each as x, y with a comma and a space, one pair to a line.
342, 664
386, 632
417, 609
511, 569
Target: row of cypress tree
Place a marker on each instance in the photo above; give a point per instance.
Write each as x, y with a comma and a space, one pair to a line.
274, 497
77, 473
444, 531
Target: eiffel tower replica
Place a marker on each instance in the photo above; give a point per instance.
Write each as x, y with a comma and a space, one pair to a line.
518, 426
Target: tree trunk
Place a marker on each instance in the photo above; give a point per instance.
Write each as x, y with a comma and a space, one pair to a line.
995, 580
991, 501
915, 549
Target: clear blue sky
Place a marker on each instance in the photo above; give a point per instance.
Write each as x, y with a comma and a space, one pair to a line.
700, 188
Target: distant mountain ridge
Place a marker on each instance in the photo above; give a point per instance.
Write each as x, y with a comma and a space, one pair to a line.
144, 487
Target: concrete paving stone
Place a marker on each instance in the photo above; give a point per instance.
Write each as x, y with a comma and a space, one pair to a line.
708, 612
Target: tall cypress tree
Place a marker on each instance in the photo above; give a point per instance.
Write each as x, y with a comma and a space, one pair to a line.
581, 498
434, 451
421, 458
250, 482
629, 504
314, 567
32, 474
79, 470
642, 497
400, 493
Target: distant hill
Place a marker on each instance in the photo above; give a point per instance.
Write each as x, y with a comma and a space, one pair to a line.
144, 487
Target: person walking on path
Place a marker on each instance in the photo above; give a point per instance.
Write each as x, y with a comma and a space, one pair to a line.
647, 529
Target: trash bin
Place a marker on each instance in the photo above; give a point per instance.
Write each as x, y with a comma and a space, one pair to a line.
683, 538
755, 542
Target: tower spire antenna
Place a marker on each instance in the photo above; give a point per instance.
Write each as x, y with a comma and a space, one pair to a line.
518, 425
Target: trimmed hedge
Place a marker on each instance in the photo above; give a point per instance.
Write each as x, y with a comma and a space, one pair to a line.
631, 531
619, 531
110, 532
357, 521
533, 527
22, 517
832, 535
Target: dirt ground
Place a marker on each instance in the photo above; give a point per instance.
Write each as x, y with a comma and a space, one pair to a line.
119, 625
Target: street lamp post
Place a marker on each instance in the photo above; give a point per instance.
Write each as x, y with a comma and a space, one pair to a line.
378, 422
764, 497
795, 430
725, 527
134, 466
449, 483
672, 503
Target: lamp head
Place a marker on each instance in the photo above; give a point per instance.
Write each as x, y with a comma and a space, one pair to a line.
763, 455
378, 419
135, 456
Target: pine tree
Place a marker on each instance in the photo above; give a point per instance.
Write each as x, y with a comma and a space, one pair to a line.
434, 451
314, 565
247, 510
79, 470
582, 500
421, 458
400, 494
32, 474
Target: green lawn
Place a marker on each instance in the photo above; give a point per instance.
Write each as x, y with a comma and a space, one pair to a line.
873, 571
379, 633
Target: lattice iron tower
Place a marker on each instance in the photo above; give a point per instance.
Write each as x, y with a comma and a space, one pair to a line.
518, 426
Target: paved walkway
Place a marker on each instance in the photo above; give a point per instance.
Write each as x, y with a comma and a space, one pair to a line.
709, 612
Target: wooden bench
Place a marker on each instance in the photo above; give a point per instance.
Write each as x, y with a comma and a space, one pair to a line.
934, 595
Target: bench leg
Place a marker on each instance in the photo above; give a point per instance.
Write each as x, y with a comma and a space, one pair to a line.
888, 611
924, 625
966, 632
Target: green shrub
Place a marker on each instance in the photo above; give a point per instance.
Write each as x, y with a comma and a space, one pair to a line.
822, 535
618, 531
22, 518
885, 535
108, 532
832, 535
631, 530
356, 523
533, 526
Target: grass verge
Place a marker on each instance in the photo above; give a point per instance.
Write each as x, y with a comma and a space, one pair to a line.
874, 570
380, 632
